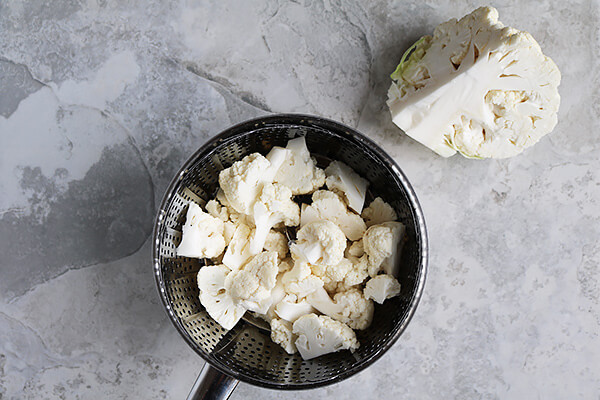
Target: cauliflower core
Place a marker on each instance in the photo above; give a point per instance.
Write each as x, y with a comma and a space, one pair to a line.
300, 267
476, 87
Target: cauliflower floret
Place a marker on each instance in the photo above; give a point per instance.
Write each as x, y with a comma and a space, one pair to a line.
378, 212
343, 180
242, 182
238, 250
383, 245
252, 284
327, 205
273, 206
215, 297
290, 309
214, 208
381, 288
281, 333
299, 171
359, 271
332, 273
356, 249
202, 235
276, 241
318, 335
476, 87
286, 264
350, 307
300, 280
320, 242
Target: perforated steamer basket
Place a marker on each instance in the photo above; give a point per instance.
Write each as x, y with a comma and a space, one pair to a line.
246, 353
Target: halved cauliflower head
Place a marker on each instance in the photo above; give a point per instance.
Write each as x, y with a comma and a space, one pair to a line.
202, 235
215, 297
320, 242
476, 87
318, 335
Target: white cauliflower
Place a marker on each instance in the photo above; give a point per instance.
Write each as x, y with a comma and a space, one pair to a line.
320, 242
299, 171
343, 180
476, 87
290, 309
202, 235
383, 244
350, 307
318, 335
238, 249
300, 281
356, 249
242, 182
252, 284
276, 241
359, 271
381, 288
332, 273
217, 210
273, 206
281, 333
378, 212
327, 205
215, 297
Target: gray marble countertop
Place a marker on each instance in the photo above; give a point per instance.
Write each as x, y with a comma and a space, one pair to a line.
100, 103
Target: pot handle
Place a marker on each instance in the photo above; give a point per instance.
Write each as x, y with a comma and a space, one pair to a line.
211, 384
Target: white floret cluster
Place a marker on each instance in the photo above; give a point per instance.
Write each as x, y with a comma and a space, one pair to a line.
311, 270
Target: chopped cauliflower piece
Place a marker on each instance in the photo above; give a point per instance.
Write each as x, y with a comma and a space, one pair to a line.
359, 271
299, 171
343, 180
273, 206
252, 284
378, 212
476, 87
202, 235
214, 208
383, 244
281, 333
276, 241
381, 288
300, 281
332, 273
318, 335
290, 309
286, 264
327, 205
350, 307
242, 182
320, 242
238, 250
277, 156
356, 249
215, 297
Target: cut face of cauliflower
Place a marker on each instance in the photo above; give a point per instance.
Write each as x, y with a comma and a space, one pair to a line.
281, 333
318, 335
378, 212
350, 307
290, 309
329, 206
476, 87
343, 180
273, 206
202, 235
383, 244
381, 288
319, 242
216, 299
238, 250
251, 285
299, 171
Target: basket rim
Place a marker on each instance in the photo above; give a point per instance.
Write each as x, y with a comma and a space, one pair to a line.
308, 121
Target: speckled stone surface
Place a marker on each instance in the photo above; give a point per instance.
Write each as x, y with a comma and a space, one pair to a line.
101, 101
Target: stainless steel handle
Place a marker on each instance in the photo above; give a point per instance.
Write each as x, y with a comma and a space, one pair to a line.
211, 384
